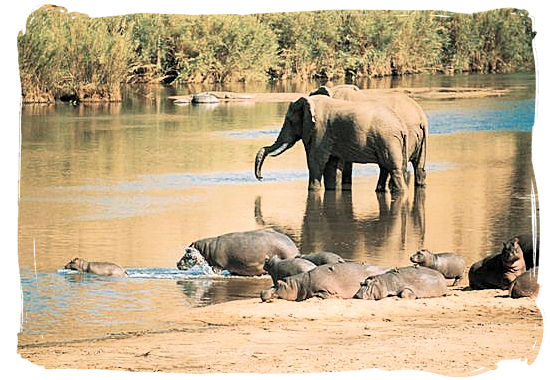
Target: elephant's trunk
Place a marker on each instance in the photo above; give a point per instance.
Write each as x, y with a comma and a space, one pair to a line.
273, 150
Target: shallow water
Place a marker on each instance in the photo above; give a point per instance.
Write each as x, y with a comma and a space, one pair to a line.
134, 183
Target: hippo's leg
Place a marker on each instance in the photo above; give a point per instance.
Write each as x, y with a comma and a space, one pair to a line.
407, 293
457, 280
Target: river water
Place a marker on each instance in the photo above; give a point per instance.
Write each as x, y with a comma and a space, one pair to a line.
134, 183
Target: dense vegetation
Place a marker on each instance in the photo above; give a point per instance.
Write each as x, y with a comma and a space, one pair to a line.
64, 55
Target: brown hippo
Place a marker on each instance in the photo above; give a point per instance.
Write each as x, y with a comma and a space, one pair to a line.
499, 270
451, 265
408, 282
340, 280
322, 258
525, 285
96, 267
280, 268
240, 253
530, 255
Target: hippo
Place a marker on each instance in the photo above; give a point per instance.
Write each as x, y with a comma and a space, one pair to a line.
451, 265
499, 270
407, 282
322, 258
525, 285
96, 267
204, 97
530, 256
240, 253
340, 280
280, 268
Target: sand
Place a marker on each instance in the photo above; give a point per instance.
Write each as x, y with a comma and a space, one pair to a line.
461, 334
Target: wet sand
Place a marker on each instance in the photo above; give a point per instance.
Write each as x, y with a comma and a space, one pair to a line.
461, 334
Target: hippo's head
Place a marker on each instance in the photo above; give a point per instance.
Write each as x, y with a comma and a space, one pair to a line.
270, 262
372, 289
191, 257
420, 257
268, 295
511, 251
76, 264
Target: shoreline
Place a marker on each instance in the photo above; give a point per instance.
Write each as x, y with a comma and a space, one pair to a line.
471, 329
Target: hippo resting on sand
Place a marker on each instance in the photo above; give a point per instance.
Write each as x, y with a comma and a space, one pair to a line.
525, 285
96, 267
451, 265
408, 282
240, 253
322, 258
341, 280
499, 270
280, 268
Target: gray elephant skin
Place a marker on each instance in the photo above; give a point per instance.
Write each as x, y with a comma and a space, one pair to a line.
322, 258
406, 108
408, 282
240, 253
100, 268
340, 280
280, 268
499, 270
334, 130
451, 265
526, 284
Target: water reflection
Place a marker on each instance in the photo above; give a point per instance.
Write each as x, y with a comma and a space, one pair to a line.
331, 224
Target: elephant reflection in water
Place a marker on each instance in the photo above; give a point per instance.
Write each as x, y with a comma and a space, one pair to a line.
331, 224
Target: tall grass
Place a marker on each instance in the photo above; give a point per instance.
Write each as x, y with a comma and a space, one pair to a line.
71, 55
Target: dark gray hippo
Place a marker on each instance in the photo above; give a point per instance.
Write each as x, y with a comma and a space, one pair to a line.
451, 265
499, 270
525, 285
322, 258
280, 268
340, 280
96, 267
204, 97
408, 282
240, 253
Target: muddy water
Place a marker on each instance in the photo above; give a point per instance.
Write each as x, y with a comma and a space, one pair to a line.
134, 183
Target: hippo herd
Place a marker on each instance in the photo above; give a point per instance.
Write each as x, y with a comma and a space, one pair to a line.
297, 277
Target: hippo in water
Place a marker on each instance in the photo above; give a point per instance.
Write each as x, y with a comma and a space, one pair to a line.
499, 270
96, 267
451, 265
240, 253
408, 282
280, 268
525, 285
340, 280
322, 258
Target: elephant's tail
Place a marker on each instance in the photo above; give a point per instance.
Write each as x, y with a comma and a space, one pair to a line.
424, 143
405, 153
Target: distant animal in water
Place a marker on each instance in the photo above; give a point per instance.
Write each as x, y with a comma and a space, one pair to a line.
408, 282
240, 253
322, 258
451, 265
499, 270
96, 267
525, 285
280, 268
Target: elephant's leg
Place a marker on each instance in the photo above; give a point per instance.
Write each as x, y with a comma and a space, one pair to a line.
316, 168
419, 174
332, 175
382, 180
346, 175
397, 181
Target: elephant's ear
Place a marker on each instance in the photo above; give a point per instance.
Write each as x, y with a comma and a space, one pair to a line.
309, 120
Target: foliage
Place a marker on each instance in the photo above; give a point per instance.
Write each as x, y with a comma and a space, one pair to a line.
65, 54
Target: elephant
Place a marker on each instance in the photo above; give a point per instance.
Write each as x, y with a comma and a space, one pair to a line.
335, 130
406, 108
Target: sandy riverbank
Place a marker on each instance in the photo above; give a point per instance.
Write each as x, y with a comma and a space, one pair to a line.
462, 334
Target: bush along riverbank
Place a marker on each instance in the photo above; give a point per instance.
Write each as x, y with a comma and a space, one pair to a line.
70, 56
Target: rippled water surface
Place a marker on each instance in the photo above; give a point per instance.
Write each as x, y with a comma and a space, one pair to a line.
134, 183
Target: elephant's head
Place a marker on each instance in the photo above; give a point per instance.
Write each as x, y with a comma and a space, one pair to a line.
298, 125
343, 91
